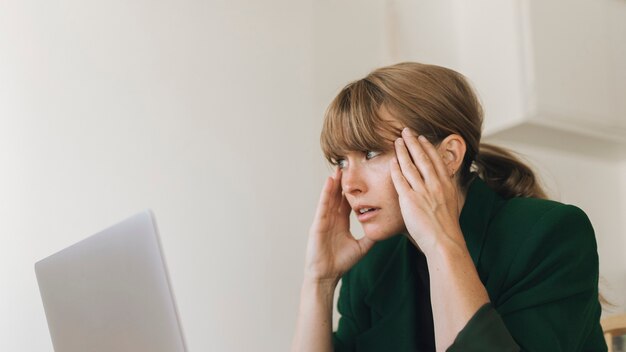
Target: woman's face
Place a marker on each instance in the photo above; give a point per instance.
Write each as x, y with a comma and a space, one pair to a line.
367, 185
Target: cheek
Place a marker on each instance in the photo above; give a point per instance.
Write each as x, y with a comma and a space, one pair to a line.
383, 173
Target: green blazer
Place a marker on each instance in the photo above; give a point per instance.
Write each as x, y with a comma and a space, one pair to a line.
537, 259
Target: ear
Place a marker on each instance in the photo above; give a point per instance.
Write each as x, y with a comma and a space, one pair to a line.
452, 151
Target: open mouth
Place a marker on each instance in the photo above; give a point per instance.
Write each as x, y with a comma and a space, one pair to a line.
366, 214
367, 210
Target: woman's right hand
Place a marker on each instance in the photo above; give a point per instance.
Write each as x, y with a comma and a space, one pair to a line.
331, 248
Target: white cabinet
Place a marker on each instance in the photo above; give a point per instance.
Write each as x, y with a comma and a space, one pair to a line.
578, 52
538, 65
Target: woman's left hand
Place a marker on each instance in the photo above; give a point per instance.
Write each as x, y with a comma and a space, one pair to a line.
427, 193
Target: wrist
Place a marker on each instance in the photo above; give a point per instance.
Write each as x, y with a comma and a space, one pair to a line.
321, 284
318, 291
446, 247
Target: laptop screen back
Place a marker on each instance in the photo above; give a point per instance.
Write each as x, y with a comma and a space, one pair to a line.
110, 292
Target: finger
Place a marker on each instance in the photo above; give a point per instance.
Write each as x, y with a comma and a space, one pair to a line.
440, 166
336, 174
328, 198
343, 206
420, 157
399, 181
325, 197
408, 168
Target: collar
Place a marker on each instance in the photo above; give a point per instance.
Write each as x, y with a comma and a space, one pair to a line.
481, 204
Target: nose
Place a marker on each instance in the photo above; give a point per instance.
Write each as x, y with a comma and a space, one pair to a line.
352, 181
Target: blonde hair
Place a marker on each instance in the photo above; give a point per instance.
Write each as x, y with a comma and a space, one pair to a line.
434, 101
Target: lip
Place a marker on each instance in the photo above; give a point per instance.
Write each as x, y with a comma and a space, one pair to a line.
366, 216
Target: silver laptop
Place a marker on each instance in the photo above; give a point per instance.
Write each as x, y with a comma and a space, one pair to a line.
111, 292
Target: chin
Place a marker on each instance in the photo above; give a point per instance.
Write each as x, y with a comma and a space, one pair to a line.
376, 233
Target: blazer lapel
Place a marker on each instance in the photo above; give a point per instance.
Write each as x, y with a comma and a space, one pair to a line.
481, 204
393, 302
391, 287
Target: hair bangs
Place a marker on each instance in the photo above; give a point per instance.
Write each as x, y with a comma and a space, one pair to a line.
353, 122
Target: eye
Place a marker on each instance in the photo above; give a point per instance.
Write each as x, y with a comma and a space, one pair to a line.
341, 163
371, 154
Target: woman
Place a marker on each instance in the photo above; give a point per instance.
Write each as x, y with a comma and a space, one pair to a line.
461, 250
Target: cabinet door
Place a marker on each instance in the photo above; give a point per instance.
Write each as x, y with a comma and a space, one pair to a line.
578, 50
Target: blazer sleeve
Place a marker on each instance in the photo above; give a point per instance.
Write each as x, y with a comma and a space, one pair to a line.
549, 300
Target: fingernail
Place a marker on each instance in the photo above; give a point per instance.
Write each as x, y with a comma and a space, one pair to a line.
422, 138
406, 130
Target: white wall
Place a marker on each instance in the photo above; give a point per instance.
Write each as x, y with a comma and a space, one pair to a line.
202, 111
209, 113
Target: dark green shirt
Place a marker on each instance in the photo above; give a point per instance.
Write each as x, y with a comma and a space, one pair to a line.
537, 259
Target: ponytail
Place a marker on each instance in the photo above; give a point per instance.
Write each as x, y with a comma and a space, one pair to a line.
506, 174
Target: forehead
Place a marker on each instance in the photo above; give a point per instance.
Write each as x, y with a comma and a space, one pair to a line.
386, 129
357, 125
